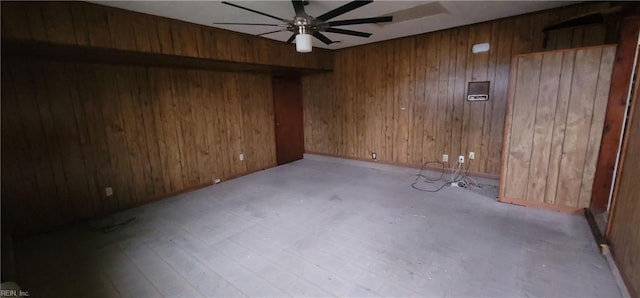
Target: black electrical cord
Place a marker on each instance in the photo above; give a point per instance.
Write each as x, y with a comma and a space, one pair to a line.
429, 180
413, 185
454, 179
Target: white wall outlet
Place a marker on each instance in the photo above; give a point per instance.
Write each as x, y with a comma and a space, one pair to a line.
461, 159
216, 181
445, 157
472, 155
241, 156
108, 191
374, 155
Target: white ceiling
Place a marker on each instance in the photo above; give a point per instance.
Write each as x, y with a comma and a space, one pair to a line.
456, 13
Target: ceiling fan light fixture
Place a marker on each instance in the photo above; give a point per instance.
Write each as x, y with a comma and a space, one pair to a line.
303, 43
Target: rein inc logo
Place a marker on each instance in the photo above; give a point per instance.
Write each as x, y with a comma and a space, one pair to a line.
13, 293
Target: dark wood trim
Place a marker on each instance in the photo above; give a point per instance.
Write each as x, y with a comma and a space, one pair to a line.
600, 240
616, 108
28, 49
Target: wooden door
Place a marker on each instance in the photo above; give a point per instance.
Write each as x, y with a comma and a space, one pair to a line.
287, 99
555, 117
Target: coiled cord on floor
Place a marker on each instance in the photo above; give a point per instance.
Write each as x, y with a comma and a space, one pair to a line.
458, 175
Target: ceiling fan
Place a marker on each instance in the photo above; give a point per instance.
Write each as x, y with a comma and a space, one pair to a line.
303, 26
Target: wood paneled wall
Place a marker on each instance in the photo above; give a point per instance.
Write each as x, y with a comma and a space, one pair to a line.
70, 130
557, 102
623, 232
405, 99
87, 24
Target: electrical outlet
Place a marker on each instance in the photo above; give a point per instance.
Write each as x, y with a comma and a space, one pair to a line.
216, 181
445, 157
108, 191
472, 155
461, 159
374, 155
241, 157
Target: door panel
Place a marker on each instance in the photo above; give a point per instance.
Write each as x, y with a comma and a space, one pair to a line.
287, 98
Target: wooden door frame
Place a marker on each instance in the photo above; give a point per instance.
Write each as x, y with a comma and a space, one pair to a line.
615, 114
623, 148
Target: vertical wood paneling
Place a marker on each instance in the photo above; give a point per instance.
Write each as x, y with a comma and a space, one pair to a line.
98, 26
402, 92
522, 114
34, 20
466, 106
14, 19
419, 106
58, 23
97, 141
576, 134
418, 85
430, 101
67, 145
116, 139
442, 104
480, 72
543, 128
130, 115
51, 142
485, 155
560, 121
457, 134
71, 130
597, 125
555, 124
20, 182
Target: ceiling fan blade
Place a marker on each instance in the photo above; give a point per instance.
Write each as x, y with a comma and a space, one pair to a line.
343, 9
254, 11
271, 32
298, 6
361, 21
252, 24
322, 38
348, 32
291, 38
